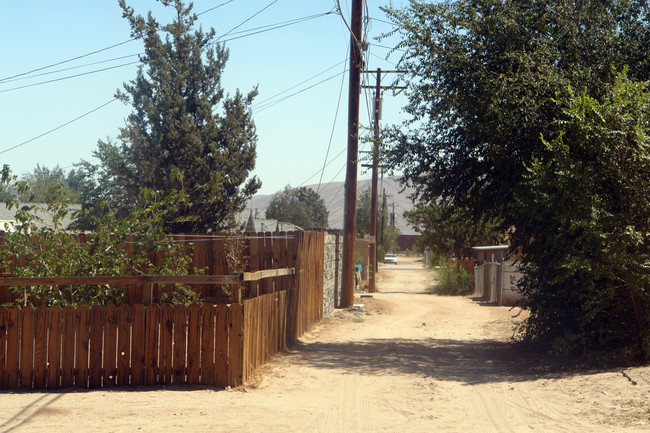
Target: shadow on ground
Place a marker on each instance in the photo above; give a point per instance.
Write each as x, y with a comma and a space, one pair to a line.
469, 362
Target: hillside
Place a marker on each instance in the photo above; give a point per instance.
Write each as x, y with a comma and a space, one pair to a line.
333, 195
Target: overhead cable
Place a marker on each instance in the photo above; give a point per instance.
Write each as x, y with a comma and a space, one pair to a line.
58, 127
68, 77
336, 115
270, 104
66, 61
248, 19
213, 8
270, 98
70, 68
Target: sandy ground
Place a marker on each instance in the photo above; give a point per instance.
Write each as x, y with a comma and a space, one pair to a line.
412, 362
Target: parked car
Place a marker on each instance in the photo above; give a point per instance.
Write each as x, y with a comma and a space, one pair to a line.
390, 258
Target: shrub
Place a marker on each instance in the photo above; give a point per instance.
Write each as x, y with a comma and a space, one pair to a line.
453, 281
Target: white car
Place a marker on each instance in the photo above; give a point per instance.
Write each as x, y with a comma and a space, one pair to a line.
390, 258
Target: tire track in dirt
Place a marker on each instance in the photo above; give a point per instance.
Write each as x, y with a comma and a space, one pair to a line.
350, 405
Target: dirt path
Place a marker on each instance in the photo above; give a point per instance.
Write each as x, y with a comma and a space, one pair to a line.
412, 362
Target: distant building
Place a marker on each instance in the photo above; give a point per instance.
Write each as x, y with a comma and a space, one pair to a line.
254, 225
8, 216
491, 254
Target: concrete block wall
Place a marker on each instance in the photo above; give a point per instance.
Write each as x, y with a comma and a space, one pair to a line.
332, 271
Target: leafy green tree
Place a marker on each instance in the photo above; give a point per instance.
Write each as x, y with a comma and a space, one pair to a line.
184, 133
386, 234
42, 179
41, 251
589, 263
302, 206
8, 193
488, 80
449, 230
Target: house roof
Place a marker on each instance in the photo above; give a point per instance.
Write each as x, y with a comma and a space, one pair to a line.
268, 225
40, 210
491, 248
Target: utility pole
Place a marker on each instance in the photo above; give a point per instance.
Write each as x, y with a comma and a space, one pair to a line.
372, 284
350, 207
383, 216
372, 287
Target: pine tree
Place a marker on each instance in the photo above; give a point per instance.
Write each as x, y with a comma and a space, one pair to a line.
184, 132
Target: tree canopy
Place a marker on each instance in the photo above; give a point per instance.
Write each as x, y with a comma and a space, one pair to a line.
449, 230
184, 132
302, 206
386, 234
119, 245
522, 110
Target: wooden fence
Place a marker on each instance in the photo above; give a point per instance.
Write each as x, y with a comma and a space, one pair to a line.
213, 345
270, 324
259, 251
131, 345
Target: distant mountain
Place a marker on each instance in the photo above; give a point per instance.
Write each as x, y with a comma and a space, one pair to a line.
333, 195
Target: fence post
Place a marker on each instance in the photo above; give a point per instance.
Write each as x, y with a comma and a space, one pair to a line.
236, 345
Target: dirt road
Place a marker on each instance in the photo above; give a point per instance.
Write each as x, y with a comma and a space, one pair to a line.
413, 362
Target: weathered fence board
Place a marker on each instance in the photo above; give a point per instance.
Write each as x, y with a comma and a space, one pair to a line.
82, 330
96, 337
236, 344
151, 334
207, 344
166, 339
138, 330
193, 343
68, 347
180, 341
124, 319
3, 343
110, 346
14, 328
40, 347
54, 347
27, 348
222, 331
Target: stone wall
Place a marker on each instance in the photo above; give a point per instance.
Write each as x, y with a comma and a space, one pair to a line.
332, 271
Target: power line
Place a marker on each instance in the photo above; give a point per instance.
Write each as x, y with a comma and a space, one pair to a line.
14, 78
213, 8
71, 68
336, 116
386, 47
269, 27
383, 21
259, 109
93, 52
248, 19
68, 77
67, 61
302, 82
58, 127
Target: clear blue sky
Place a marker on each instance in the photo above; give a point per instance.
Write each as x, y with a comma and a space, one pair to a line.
294, 133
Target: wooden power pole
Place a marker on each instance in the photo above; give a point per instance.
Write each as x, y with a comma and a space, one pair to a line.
372, 283
374, 239
350, 209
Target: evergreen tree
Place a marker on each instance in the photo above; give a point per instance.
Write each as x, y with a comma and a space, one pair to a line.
184, 133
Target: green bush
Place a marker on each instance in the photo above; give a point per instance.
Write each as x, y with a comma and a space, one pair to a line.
452, 281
